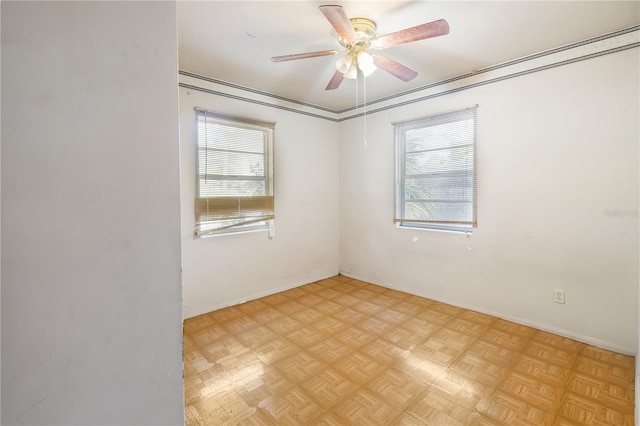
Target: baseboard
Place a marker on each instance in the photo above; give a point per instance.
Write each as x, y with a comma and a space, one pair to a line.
637, 388
539, 326
255, 296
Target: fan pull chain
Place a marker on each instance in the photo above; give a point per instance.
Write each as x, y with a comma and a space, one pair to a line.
364, 108
357, 89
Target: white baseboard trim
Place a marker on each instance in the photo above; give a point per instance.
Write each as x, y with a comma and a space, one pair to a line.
255, 296
539, 326
637, 411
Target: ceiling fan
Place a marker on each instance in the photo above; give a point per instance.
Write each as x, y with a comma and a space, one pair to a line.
357, 35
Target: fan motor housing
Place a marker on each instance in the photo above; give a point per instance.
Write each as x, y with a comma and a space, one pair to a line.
365, 32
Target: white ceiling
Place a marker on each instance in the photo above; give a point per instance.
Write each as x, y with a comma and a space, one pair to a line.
234, 40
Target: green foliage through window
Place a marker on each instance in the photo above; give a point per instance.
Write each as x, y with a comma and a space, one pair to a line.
436, 171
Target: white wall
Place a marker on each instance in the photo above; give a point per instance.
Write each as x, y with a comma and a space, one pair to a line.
556, 149
637, 394
225, 270
91, 313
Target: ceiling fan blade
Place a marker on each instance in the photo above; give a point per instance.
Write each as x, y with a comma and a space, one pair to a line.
335, 81
340, 21
394, 68
303, 55
420, 32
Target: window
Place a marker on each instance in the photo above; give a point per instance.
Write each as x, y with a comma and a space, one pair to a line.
234, 174
436, 173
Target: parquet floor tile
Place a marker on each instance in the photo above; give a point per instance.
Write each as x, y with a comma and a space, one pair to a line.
392, 316
554, 355
403, 337
384, 300
308, 316
225, 314
329, 294
375, 326
275, 349
505, 339
198, 323
494, 352
329, 350
421, 327
558, 341
329, 307
358, 368
578, 410
329, 387
421, 369
436, 351
290, 307
478, 318
256, 336
466, 327
436, 407
513, 328
596, 389
345, 352
292, 406
275, 299
508, 409
434, 317
258, 387
299, 366
329, 325
396, 388
608, 357
354, 337
412, 304
480, 369
466, 393
454, 339
382, 351
207, 335
311, 299
542, 370
368, 308
329, 419
366, 408
536, 392
252, 306
266, 315
347, 300
304, 336
349, 315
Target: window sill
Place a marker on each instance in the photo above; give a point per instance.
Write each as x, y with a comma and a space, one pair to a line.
466, 231
270, 231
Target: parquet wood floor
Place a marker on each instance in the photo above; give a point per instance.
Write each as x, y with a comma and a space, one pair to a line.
344, 352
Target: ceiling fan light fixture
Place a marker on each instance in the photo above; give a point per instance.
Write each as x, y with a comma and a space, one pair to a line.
343, 64
348, 66
365, 63
359, 34
352, 73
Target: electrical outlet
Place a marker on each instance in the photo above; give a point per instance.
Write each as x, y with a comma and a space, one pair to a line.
558, 295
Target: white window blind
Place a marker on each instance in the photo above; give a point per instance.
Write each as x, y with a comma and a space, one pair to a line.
436, 181
234, 174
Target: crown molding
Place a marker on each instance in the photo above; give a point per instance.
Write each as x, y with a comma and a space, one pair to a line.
628, 38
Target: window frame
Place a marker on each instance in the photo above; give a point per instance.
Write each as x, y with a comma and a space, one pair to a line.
436, 224
262, 205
